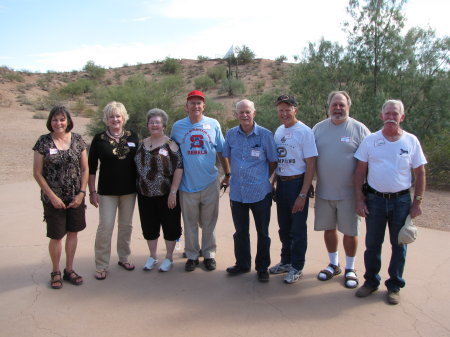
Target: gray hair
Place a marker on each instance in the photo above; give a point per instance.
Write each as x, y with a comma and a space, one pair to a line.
245, 101
396, 102
115, 107
158, 113
339, 92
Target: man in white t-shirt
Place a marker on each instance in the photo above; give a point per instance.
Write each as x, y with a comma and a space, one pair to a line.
386, 158
337, 139
297, 155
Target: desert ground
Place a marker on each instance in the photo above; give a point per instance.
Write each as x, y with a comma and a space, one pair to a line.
200, 303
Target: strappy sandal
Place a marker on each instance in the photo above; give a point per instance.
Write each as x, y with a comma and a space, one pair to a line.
100, 275
72, 277
329, 275
55, 283
350, 278
126, 265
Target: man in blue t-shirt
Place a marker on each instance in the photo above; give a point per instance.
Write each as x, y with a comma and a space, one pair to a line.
200, 139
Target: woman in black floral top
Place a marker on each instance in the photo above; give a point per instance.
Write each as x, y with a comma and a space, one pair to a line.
159, 171
114, 149
60, 168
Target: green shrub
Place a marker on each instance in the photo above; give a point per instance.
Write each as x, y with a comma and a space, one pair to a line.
245, 54
281, 58
13, 76
140, 95
217, 72
204, 83
232, 86
437, 151
79, 87
94, 71
202, 58
47, 102
171, 66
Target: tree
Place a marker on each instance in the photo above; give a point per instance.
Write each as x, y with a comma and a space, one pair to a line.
244, 54
374, 35
94, 71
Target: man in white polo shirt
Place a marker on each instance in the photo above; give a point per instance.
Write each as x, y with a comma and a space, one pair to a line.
386, 158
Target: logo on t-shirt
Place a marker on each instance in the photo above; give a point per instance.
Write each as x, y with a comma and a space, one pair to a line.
403, 152
197, 145
281, 152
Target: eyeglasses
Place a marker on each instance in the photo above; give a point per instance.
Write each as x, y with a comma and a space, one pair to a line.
154, 123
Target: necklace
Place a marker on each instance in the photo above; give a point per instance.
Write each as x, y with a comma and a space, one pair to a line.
115, 136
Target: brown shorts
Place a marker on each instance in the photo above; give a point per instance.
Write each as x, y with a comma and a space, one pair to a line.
61, 221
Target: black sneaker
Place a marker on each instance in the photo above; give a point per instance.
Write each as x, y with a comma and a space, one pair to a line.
263, 276
210, 264
191, 264
234, 270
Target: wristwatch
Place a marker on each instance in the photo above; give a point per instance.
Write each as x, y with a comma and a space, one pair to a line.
418, 198
302, 195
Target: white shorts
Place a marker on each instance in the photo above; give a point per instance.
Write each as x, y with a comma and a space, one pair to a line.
336, 214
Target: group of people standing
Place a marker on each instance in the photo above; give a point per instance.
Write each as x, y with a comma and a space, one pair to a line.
358, 175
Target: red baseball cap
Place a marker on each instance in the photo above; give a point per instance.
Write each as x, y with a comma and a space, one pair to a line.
196, 93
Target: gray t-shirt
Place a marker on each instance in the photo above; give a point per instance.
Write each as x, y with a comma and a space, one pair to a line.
336, 164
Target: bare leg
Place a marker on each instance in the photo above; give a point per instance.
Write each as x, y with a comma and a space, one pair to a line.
55, 249
350, 245
71, 247
152, 246
170, 246
331, 240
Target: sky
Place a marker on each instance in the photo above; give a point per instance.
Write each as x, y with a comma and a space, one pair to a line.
58, 35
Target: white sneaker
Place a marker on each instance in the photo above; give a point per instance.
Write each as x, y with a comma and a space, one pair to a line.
293, 275
166, 265
280, 268
151, 262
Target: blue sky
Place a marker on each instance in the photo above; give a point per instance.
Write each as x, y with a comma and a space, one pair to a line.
41, 35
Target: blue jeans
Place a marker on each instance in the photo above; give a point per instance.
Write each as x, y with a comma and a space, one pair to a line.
293, 233
241, 219
394, 213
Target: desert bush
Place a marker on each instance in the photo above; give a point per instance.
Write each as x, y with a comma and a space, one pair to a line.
44, 82
40, 115
217, 72
204, 83
171, 66
244, 54
22, 88
94, 71
13, 76
22, 99
139, 95
202, 58
232, 86
281, 58
81, 86
437, 152
47, 102
259, 86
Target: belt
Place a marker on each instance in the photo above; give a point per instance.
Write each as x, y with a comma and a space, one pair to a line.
386, 195
287, 178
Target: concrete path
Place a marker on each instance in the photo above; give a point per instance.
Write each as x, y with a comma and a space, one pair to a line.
205, 303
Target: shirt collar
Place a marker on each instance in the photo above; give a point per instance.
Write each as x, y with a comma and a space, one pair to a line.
255, 130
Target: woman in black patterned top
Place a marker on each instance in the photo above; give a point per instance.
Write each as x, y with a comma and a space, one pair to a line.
159, 171
114, 149
60, 168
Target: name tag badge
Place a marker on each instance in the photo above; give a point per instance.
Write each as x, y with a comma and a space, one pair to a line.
256, 153
345, 139
131, 144
53, 151
207, 126
163, 152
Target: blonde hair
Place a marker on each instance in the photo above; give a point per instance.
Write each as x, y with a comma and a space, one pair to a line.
115, 107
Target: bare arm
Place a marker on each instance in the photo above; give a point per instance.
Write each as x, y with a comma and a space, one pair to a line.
38, 164
419, 190
176, 180
359, 178
307, 181
78, 199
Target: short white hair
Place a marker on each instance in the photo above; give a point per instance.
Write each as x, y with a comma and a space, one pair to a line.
394, 102
245, 101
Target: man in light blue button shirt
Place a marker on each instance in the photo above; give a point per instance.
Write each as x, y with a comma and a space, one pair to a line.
252, 153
